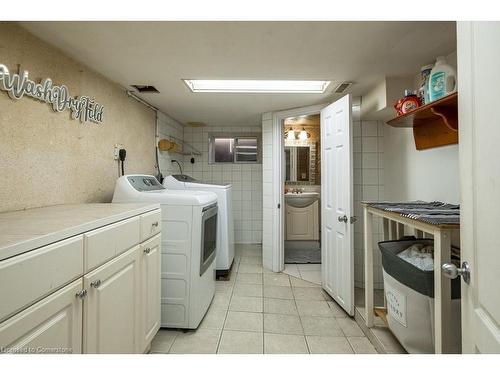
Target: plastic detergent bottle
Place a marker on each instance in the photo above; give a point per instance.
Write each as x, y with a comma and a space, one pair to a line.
423, 91
442, 80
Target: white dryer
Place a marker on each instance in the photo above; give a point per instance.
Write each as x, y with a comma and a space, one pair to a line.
225, 236
188, 246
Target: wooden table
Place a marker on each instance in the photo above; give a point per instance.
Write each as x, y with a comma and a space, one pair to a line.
393, 228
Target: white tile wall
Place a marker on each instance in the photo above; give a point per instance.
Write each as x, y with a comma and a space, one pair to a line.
168, 127
368, 185
245, 178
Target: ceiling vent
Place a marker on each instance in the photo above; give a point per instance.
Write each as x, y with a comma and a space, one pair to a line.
342, 87
146, 88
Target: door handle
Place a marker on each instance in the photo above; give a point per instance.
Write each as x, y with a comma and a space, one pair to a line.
344, 219
452, 272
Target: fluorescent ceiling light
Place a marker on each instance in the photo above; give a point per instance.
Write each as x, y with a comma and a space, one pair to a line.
263, 86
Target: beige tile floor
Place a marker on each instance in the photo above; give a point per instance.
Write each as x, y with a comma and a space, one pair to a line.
307, 272
258, 311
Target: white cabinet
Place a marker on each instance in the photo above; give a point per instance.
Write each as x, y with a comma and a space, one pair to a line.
150, 292
52, 325
97, 291
26, 278
302, 223
111, 308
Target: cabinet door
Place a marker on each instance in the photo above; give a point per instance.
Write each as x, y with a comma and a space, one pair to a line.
300, 223
52, 325
111, 309
150, 290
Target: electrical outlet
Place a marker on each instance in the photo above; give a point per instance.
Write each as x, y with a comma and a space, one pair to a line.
118, 146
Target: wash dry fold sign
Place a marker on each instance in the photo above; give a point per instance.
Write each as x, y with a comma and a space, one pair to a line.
83, 108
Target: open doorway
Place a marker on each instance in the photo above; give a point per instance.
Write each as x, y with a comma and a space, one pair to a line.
302, 190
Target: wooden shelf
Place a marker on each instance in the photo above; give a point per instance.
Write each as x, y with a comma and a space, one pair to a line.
434, 124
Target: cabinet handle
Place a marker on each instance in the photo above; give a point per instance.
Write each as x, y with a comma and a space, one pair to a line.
81, 294
155, 224
95, 284
147, 250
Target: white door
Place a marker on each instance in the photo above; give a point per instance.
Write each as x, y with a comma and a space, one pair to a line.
52, 325
111, 310
337, 263
479, 133
150, 295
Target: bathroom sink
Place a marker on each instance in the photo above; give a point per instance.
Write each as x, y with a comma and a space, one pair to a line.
301, 200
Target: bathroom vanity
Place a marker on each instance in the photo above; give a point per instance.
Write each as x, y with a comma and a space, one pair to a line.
302, 216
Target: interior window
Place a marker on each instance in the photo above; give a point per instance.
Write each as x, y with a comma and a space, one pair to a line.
223, 150
234, 149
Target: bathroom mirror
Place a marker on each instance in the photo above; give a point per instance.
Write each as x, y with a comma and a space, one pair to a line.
298, 164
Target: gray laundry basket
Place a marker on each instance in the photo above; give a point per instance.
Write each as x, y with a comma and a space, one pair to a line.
409, 293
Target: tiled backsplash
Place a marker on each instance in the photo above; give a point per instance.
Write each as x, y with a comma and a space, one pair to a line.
368, 153
245, 178
167, 128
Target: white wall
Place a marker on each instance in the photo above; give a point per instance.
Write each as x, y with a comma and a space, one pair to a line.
267, 191
419, 175
245, 178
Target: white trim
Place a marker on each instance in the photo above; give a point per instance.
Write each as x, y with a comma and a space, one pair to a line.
278, 180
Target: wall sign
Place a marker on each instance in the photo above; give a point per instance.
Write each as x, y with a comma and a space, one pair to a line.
82, 108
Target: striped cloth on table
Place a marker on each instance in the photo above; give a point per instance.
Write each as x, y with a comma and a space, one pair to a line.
436, 213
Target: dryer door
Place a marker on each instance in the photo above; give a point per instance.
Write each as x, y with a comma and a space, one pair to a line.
208, 237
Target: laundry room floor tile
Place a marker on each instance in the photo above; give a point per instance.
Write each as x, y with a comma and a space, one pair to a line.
337, 311
200, 341
298, 282
241, 342
248, 304
249, 278
220, 301
314, 308
259, 311
251, 260
328, 345
320, 326
163, 340
350, 327
308, 294
250, 268
283, 324
362, 345
284, 344
276, 279
214, 319
244, 321
280, 306
247, 290
282, 292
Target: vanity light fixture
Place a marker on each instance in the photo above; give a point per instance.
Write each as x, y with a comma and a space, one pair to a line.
290, 135
303, 135
256, 86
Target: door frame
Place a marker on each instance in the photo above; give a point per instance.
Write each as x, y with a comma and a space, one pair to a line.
278, 253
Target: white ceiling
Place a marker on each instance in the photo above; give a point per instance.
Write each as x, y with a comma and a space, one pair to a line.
163, 53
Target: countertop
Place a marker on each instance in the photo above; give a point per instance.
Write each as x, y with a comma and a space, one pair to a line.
26, 230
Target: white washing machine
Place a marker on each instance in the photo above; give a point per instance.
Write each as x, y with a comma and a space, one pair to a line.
188, 246
225, 235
